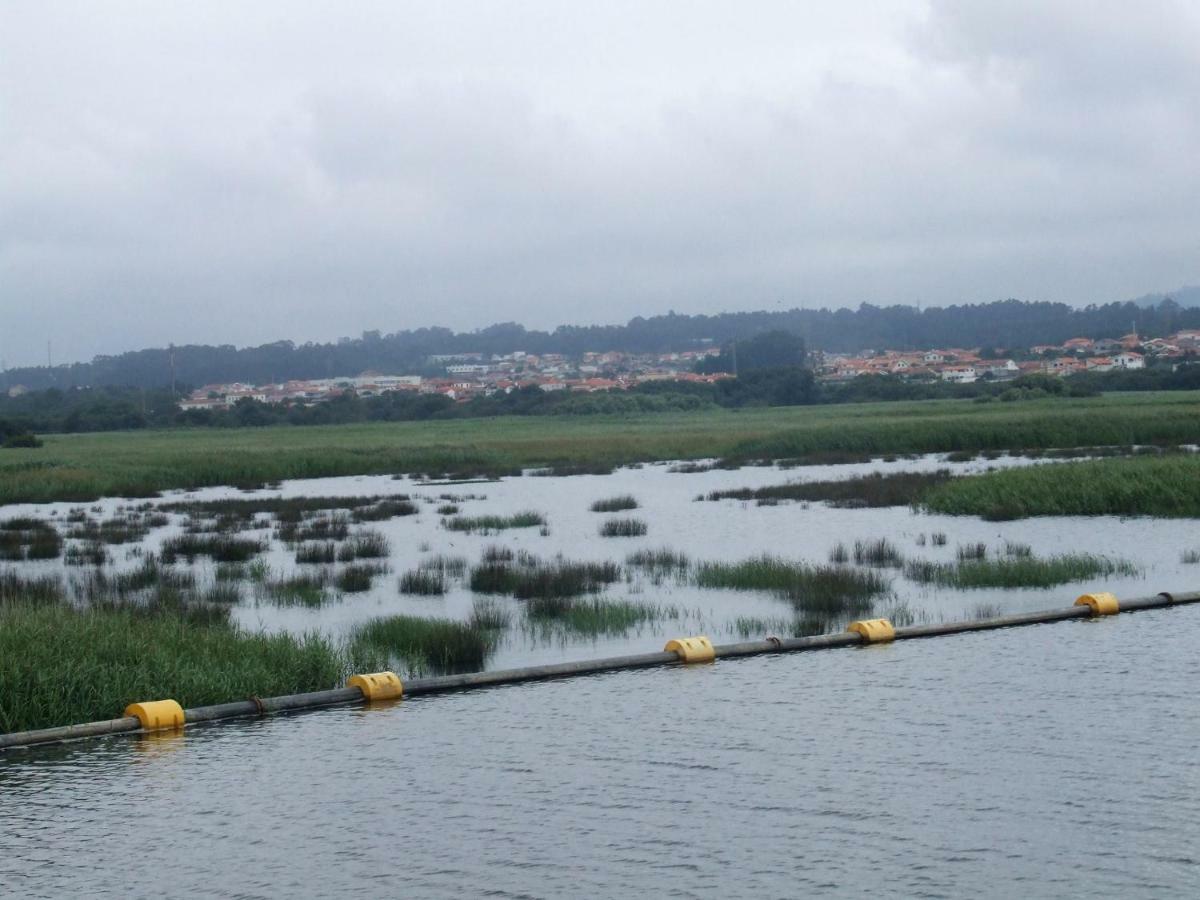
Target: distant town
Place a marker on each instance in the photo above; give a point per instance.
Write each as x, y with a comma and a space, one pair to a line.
470, 375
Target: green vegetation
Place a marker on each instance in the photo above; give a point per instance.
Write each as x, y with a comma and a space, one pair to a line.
427, 582
357, 578
1017, 572
85, 467
1167, 486
874, 490
880, 553
317, 552
623, 528
492, 524
592, 615
615, 504
218, 546
29, 539
427, 645
305, 589
60, 664
364, 545
829, 590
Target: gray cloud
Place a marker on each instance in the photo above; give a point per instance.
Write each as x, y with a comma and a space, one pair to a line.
244, 172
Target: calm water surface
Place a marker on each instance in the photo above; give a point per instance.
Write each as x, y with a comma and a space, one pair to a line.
1050, 761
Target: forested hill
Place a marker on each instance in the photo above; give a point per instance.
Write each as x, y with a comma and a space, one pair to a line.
1006, 323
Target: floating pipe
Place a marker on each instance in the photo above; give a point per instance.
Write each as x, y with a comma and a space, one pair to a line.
446, 683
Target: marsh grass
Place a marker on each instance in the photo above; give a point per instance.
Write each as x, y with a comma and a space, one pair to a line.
29, 538
880, 553
615, 504
830, 590
400, 505
1018, 572
1190, 557
623, 528
428, 645
104, 658
448, 566
967, 552
364, 545
1165, 486
89, 553
357, 577
1017, 549
489, 614
660, 562
221, 548
874, 490
492, 524
592, 616
317, 552
303, 589
938, 539
421, 581
334, 526
839, 555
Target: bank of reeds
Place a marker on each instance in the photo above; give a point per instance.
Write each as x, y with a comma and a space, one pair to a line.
659, 563
29, 538
880, 553
220, 547
364, 545
1166, 486
303, 589
592, 616
492, 524
615, 504
333, 526
426, 582
316, 552
433, 646
357, 577
1018, 572
830, 590
874, 490
400, 505
105, 657
623, 528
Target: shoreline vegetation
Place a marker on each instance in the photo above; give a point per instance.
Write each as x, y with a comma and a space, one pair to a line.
86, 467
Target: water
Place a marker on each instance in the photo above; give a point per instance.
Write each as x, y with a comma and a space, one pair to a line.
1049, 761
722, 531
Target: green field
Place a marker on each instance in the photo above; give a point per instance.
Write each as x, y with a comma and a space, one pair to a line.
88, 466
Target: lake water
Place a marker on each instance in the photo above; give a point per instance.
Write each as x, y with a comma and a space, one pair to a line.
1045, 761
1048, 761
727, 530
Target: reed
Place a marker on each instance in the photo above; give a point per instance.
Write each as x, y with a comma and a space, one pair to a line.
385, 509
487, 613
434, 646
492, 524
832, 590
357, 577
874, 490
1164, 486
304, 589
221, 548
615, 504
972, 551
592, 616
1018, 572
317, 553
364, 545
623, 528
880, 553
429, 582
448, 566
106, 658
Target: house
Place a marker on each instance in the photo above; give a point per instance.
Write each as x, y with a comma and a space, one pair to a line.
1099, 364
1078, 345
959, 374
1129, 360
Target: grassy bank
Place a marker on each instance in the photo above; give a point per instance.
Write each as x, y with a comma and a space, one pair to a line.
1140, 486
85, 467
60, 665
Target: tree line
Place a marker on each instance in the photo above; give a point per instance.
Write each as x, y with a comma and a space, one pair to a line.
1005, 323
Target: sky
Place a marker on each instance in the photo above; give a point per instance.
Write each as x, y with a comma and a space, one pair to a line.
237, 173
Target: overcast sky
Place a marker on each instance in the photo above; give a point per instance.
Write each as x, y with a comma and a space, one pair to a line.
244, 172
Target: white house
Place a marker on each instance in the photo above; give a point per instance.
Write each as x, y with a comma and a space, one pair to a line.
959, 374
1129, 360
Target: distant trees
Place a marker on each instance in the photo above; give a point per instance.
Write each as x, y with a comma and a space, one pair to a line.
1006, 323
771, 349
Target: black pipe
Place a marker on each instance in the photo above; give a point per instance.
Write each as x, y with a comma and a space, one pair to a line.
467, 681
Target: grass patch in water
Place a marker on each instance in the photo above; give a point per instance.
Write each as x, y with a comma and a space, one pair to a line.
880, 553
364, 545
832, 590
1018, 572
1167, 486
623, 528
220, 547
428, 645
427, 582
315, 552
105, 658
492, 524
592, 615
615, 504
358, 577
874, 490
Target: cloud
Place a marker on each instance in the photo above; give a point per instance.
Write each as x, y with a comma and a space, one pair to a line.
235, 173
